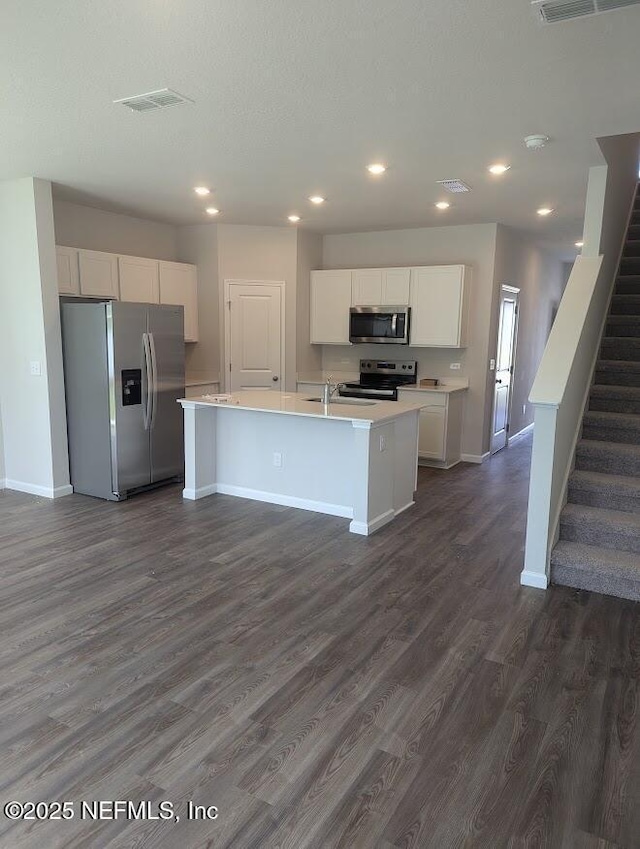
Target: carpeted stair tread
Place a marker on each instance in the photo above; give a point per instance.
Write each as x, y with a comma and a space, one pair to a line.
609, 397
623, 366
625, 304
624, 484
617, 373
613, 420
623, 326
601, 570
614, 458
613, 529
611, 390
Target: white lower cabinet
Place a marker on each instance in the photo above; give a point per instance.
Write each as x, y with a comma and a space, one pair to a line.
440, 426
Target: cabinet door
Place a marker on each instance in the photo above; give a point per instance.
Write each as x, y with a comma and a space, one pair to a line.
138, 280
395, 286
98, 274
436, 300
431, 434
179, 285
330, 302
67, 264
366, 287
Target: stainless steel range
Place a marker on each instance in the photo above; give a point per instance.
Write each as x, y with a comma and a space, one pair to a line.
381, 378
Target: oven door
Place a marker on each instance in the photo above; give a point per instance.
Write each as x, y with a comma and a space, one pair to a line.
388, 325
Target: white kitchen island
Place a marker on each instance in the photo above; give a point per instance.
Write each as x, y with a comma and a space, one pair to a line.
348, 459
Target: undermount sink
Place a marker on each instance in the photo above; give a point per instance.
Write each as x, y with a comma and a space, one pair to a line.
351, 402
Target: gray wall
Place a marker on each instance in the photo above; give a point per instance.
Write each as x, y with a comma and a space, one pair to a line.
94, 229
472, 245
32, 407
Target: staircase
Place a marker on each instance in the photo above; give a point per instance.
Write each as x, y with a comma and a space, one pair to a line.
599, 545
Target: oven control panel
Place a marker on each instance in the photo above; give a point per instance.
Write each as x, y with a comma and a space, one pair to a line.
399, 367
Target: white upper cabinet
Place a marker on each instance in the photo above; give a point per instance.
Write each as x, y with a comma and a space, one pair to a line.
395, 286
139, 280
179, 286
98, 274
439, 300
68, 275
380, 286
330, 303
366, 287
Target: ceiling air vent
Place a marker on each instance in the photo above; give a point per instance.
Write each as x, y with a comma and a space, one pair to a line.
455, 186
554, 11
154, 100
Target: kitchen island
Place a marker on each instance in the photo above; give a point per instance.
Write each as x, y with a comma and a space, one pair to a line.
352, 458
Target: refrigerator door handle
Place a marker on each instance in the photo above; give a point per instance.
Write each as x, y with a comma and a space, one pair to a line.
147, 397
154, 381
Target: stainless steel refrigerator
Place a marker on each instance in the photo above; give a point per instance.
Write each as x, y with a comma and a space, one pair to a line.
123, 371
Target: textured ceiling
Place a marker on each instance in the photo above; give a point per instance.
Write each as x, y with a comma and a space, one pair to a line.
294, 98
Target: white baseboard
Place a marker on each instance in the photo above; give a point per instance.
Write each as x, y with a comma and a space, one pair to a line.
520, 433
3, 483
534, 579
406, 507
286, 500
42, 491
366, 528
475, 458
200, 492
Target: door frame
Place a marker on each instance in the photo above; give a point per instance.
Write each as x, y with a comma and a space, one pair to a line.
228, 283
511, 290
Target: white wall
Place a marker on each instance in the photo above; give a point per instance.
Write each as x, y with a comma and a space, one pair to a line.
541, 279
472, 245
32, 407
246, 252
309, 357
80, 226
198, 244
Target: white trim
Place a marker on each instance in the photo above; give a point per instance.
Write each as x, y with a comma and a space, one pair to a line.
286, 500
475, 458
3, 483
525, 430
534, 579
224, 382
366, 528
42, 491
402, 509
201, 492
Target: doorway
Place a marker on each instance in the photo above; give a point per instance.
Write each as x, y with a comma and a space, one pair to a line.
505, 364
254, 339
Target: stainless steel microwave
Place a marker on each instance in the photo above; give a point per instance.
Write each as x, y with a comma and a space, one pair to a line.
387, 325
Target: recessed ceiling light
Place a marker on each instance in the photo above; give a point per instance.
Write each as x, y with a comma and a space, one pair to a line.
579, 244
544, 210
294, 219
376, 168
202, 190
317, 199
211, 210
499, 168
442, 204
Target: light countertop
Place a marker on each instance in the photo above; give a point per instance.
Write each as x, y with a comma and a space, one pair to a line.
297, 404
442, 389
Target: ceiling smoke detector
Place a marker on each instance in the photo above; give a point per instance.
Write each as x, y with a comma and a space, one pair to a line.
453, 186
536, 142
154, 100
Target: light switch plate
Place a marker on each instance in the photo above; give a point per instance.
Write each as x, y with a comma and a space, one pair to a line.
35, 368
492, 365
454, 366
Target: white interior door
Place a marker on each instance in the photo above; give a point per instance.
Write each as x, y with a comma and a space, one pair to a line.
505, 361
254, 340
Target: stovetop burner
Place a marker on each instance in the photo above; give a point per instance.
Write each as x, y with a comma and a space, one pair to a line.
381, 379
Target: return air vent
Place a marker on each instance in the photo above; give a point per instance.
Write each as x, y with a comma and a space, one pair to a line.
554, 11
154, 100
456, 186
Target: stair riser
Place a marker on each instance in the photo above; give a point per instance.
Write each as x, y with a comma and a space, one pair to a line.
605, 499
582, 579
614, 405
627, 287
620, 349
609, 465
601, 536
625, 306
617, 378
623, 329
604, 433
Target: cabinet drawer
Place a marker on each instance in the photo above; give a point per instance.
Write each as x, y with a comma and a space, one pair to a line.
432, 399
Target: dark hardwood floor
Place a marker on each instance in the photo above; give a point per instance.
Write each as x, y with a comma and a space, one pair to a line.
321, 689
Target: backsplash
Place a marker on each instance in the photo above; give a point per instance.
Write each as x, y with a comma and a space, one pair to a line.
432, 362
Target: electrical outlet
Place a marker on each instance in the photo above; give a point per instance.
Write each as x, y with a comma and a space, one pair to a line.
277, 459
383, 443
35, 368
454, 366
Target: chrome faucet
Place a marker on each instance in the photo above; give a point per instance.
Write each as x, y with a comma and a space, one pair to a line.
329, 389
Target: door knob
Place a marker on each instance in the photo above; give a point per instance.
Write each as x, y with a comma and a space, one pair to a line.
498, 381
275, 378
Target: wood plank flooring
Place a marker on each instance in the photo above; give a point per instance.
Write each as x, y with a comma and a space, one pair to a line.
321, 689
